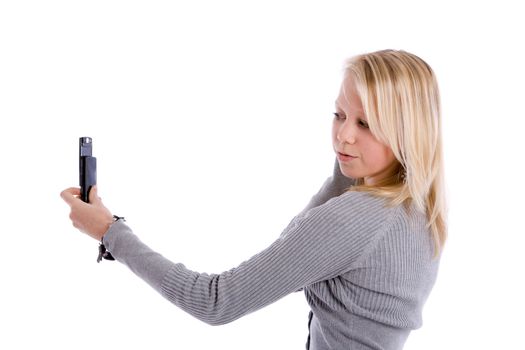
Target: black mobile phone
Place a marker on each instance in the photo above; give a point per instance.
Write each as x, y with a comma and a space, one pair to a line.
87, 167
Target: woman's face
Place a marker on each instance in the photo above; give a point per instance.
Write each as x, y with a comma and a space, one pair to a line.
359, 153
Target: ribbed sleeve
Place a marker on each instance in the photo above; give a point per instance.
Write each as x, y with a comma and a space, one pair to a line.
319, 244
316, 246
142, 260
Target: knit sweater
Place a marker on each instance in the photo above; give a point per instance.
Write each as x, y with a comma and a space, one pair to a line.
366, 270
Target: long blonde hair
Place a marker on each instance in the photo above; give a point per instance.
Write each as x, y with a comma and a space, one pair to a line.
400, 97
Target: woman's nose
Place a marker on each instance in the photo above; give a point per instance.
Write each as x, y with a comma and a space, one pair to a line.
346, 133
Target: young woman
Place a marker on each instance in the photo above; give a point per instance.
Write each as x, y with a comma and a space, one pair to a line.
366, 249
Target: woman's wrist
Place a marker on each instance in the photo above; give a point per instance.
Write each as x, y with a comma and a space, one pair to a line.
103, 253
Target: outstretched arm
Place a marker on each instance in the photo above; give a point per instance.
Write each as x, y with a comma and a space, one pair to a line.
320, 244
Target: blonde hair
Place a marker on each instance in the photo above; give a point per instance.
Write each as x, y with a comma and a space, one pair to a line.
400, 97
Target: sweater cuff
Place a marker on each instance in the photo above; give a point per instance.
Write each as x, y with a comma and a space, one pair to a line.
118, 230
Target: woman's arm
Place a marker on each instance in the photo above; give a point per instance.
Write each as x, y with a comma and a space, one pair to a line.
320, 244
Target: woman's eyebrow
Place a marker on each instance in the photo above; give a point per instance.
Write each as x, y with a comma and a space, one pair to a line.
357, 111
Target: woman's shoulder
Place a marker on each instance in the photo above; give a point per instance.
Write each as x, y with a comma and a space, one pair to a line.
405, 213
399, 228
373, 210
367, 204
357, 211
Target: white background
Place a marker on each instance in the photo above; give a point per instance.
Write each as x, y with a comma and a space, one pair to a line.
211, 125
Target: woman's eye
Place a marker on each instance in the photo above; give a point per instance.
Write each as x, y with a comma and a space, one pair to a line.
363, 124
339, 116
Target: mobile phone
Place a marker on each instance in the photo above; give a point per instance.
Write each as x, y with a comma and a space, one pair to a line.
87, 167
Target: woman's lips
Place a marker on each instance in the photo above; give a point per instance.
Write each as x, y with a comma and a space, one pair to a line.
344, 157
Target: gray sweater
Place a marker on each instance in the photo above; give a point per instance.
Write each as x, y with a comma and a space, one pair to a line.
366, 270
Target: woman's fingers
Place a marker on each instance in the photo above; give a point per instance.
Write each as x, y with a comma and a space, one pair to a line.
92, 218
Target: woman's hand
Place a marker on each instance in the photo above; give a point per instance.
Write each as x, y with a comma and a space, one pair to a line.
92, 218
339, 182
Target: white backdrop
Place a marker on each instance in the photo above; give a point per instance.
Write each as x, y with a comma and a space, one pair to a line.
208, 117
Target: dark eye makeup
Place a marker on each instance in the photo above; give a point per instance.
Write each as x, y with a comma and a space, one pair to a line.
363, 124
338, 116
